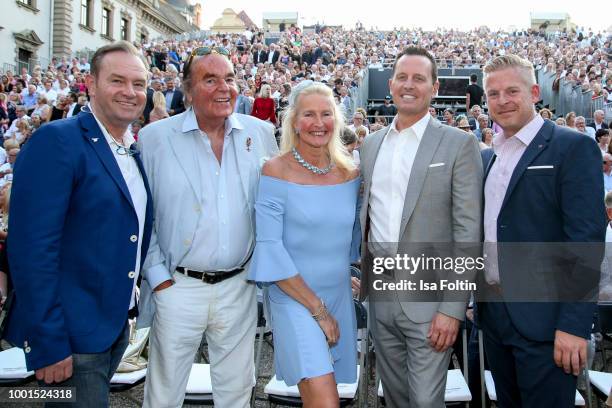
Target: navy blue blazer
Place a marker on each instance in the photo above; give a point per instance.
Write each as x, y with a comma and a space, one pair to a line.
565, 204
71, 247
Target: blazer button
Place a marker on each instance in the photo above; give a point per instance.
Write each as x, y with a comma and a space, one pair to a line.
133, 238
27, 349
131, 274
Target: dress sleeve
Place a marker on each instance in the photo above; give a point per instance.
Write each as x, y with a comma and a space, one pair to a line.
271, 261
355, 255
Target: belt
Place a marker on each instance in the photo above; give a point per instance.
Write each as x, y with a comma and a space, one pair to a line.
208, 277
212, 277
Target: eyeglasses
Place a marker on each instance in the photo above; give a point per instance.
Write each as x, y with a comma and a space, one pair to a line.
200, 52
464, 127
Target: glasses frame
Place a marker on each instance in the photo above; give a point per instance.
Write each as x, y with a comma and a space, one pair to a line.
200, 52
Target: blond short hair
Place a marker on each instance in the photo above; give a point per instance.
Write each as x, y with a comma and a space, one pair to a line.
510, 61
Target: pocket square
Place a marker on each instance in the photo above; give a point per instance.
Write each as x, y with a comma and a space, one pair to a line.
436, 165
540, 167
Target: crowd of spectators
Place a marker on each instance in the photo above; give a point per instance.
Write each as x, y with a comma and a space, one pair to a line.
266, 73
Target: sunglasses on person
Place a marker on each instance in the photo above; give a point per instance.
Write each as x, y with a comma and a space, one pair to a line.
202, 51
464, 127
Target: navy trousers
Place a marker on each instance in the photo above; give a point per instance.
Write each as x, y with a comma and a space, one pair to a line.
524, 371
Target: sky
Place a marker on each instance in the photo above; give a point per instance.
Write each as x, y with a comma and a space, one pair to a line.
392, 13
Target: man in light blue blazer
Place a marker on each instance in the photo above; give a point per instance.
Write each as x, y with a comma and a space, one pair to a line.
204, 168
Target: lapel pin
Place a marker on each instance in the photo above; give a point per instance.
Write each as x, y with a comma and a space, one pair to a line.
248, 144
95, 139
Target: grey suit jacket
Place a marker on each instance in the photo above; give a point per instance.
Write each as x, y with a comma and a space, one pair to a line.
442, 203
170, 161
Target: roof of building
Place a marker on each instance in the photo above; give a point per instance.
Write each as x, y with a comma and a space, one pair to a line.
276, 15
175, 17
246, 19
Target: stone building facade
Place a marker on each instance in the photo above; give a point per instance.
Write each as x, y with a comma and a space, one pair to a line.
34, 31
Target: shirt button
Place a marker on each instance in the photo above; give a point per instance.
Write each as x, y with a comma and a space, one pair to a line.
187, 242
131, 274
27, 349
133, 238
216, 173
196, 208
223, 222
222, 196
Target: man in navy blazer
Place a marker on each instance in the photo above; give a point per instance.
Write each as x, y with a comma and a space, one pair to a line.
542, 185
81, 218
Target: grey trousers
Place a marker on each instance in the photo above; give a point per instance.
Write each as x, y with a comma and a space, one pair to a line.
413, 374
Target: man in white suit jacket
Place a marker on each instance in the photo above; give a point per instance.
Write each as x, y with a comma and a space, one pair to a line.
204, 167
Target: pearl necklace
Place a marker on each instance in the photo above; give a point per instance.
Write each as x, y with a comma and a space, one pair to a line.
314, 169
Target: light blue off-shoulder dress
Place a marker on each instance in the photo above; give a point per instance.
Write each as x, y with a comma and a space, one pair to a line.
308, 230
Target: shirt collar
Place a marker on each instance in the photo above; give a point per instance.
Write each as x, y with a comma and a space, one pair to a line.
128, 138
418, 128
191, 122
525, 135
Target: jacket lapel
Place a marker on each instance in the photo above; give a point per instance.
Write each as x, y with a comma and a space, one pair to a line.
535, 148
244, 148
93, 134
427, 147
148, 221
185, 149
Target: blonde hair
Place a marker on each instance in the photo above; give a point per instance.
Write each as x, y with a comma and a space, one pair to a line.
11, 144
265, 91
159, 100
7, 200
510, 61
337, 152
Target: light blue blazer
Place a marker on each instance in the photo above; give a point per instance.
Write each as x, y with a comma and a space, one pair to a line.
168, 152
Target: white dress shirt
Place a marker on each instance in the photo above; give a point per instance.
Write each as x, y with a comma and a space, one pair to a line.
390, 179
135, 184
224, 234
508, 151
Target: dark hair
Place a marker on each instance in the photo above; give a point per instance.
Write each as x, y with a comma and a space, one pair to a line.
117, 46
473, 78
418, 51
600, 133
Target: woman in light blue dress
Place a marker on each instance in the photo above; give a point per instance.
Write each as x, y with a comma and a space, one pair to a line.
305, 217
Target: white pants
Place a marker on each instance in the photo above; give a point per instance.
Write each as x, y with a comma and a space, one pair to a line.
227, 313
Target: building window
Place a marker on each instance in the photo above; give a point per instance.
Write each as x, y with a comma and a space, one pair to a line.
86, 13
106, 22
28, 4
125, 29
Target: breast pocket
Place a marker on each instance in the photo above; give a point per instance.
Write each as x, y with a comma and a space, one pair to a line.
436, 180
540, 172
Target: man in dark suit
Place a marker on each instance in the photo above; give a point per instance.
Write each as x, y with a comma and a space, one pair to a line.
260, 55
599, 120
156, 85
273, 54
543, 185
174, 98
81, 219
307, 55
